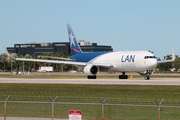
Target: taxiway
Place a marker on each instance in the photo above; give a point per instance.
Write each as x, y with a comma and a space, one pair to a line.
134, 81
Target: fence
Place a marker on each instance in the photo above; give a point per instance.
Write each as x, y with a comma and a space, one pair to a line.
91, 107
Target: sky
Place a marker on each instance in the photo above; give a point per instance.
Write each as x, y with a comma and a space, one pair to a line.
123, 24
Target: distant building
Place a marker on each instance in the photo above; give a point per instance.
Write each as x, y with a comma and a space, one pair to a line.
86, 46
39, 48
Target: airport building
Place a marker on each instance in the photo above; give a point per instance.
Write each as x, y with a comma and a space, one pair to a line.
39, 48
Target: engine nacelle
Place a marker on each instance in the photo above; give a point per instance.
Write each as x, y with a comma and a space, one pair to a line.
91, 69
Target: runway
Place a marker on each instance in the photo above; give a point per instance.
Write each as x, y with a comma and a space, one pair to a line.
134, 81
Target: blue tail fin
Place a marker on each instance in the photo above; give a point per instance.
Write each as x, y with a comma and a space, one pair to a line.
75, 48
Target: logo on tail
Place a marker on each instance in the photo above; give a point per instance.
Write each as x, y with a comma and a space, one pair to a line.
75, 48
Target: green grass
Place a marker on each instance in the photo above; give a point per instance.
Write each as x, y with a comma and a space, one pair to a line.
93, 112
83, 90
130, 94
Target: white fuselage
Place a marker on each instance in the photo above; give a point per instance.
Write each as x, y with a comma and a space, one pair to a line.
127, 61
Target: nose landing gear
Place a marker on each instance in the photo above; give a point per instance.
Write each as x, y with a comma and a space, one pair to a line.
146, 73
146, 77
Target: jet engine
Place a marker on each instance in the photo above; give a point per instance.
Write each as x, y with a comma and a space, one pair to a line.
91, 69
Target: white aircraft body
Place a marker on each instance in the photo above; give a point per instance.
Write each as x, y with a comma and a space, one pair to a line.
92, 63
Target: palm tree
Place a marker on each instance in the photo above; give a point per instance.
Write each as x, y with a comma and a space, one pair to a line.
13, 55
168, 57
1, 59
4, 59
28, 56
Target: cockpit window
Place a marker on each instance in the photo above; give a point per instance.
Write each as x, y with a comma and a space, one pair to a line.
148, 57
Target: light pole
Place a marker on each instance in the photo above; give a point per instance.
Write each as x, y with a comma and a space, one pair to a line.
11, 67
34, 63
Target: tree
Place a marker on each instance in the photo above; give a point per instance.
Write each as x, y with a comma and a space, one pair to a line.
165, 66
176, 64
4, 60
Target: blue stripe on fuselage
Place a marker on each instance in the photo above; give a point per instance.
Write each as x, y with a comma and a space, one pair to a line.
85, 57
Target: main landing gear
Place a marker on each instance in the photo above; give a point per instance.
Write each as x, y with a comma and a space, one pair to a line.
123, 76
91, 76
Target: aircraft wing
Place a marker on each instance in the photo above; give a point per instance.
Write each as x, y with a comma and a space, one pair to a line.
65, 62
104, 66
61, 62
60, 58
54, 61
172, 60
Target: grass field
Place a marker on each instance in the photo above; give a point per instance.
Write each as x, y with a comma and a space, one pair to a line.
81, 90
131, 93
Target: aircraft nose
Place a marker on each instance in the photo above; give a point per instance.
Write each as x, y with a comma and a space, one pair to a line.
151, 64
154, 63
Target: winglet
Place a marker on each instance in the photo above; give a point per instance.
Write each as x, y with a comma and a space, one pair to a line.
75, 48
172, 60
7, 53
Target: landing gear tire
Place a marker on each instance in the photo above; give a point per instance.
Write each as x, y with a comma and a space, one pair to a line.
123, 77
146, 77
91, 77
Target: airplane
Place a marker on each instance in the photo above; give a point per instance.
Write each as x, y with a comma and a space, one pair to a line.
91, 63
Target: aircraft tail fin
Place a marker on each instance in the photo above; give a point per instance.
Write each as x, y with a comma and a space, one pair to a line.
75, 48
